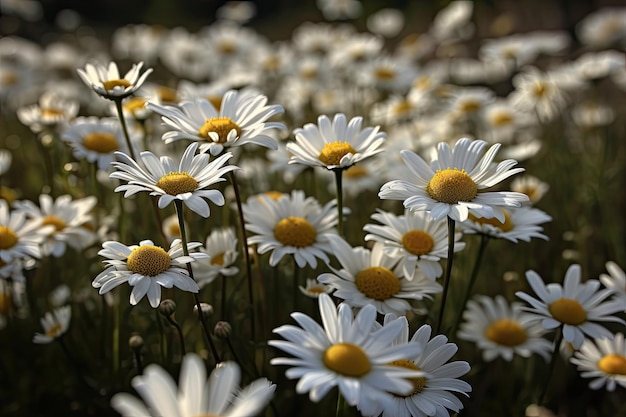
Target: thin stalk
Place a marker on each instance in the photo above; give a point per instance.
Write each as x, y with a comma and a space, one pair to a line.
120, 114
162, 342
341, 405
446, 278
183, 237
116, 337
558, 337
246, 253
138, 361
338, 182
179, 330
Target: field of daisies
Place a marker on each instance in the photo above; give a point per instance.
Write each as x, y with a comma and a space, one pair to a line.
358, 219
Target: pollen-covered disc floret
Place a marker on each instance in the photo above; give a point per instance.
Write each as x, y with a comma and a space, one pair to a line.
453, 182
147, 267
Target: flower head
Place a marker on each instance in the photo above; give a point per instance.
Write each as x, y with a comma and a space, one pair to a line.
20, 237
107, 82
604, 360
54, 324
520, 223
615, 280
221, 247
452, 185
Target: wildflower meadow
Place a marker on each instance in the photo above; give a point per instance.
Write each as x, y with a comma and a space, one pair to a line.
357, 208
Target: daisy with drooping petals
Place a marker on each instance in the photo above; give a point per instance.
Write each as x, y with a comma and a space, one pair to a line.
221, 247
372, 277
68, 218
147, 267
19, 237
415, 239
450, 185
350, 352
604, 360
291, 225
433, 394
337, 144
55, 324
107, 82
520, 223
186, 181
615, 280
574, 306
219, 395
240, 119
501, 329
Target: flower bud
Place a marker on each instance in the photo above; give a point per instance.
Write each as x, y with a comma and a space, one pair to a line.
167, 307
222, 329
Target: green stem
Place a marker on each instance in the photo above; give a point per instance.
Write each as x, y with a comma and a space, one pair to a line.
120, 114
183, 237
558, 337
341, 405
116, 337
446, 278
338, 181
484, 239
246, 253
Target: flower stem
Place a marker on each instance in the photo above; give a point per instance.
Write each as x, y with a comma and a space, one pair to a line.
446, 278
120, 114
338, 182
341, 405
183, 237
180, 334
558, 337
246, 253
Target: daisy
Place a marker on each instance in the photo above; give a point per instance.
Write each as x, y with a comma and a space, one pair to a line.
521, 223
604, 360
574, 306
96, 140
372, 277
415, 239
347, 351
55, 324
186, 181
291, 225
20, 237
147, 268
107, 82
450, 185
221, 248
432, 395
615, 280
314, 288
537, 91
49, 113
532, 186
337, 144
501, 329
386, 22
240, 119
219, 395
69, 219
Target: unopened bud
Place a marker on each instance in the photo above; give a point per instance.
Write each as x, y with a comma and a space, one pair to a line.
207, 310
223, 329
167, 307
135, 341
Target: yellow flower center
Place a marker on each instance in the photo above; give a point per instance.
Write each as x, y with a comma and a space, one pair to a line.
385, 74
134, 104
507, 226
9, 78
333, 152
176, 183
220, 125
470, 106
540, 89
418, 242
54, 331
274, 195
148, 260
55, 221
355, 172
501, 118
100, 142
402, 107
218, 259
167, 95
613, 364
295, 231
419, 383
377, 282
451, 186
111, 84
568, 311
8, 238
315, 290
50, 112
7, 194
347, 359
506, 332
173, 229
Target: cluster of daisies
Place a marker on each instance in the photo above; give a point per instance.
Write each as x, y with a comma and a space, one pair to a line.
360, 189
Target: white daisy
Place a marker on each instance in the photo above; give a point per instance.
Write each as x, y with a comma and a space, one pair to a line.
69, 219
373, 277
520, 223
240, 119
219, 395
186, 181
432, 395
501, 329
147, 268
604, 360
291, 225
50, 112
97, 139
107, 82
416, 239
450, 185
615, 280
20, 237
221, 247
574, 306
313, 288
532, 186
54, 324
336, 144
348, 352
